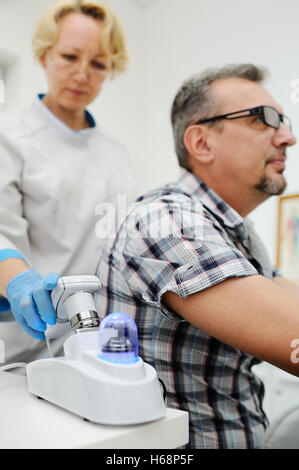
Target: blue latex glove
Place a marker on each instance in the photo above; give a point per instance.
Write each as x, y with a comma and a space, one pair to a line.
30, 302
4, 305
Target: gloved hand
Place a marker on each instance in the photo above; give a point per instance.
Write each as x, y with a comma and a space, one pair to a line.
4, 305
30, 302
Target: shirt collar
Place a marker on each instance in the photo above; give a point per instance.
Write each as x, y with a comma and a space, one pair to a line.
196, 188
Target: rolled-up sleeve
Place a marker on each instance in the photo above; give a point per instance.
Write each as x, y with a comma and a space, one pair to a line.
172, 245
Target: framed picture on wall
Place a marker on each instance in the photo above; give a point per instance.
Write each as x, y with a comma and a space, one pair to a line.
288, 236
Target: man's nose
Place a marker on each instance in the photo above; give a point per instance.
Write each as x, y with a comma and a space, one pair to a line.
284, 136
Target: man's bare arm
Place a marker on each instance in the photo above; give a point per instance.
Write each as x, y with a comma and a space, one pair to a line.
291, 286
251, 314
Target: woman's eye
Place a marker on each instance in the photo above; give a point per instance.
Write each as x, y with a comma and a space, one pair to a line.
99, 66
69, 57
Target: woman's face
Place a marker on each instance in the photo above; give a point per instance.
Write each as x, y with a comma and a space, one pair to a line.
75, 65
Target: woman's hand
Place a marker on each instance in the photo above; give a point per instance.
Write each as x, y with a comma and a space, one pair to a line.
30, 302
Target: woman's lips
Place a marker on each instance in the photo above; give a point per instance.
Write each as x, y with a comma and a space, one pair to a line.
76, 92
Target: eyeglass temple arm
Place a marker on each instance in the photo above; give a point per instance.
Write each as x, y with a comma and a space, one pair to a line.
250, 112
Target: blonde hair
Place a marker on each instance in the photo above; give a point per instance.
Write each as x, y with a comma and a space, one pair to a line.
113, 41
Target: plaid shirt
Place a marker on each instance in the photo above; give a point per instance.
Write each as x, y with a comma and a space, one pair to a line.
184, 238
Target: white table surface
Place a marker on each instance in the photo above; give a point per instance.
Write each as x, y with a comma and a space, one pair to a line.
27, 422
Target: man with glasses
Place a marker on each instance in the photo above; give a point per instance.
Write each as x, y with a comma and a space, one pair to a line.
188, 265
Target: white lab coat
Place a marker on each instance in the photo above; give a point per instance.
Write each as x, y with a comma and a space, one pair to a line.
52, 182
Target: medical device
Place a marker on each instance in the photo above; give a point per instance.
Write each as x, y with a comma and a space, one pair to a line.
100, 377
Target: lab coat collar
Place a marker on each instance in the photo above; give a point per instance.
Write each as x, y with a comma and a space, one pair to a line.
64, 128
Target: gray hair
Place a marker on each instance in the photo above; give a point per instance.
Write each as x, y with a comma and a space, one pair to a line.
194, 100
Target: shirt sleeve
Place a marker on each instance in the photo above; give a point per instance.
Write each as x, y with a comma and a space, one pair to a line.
171, 245
13, 226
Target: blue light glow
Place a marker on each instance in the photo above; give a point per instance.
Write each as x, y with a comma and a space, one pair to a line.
118, 341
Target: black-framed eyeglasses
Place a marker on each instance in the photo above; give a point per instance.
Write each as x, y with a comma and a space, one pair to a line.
269, 115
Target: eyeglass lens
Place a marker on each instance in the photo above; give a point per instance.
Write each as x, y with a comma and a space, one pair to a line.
273, 118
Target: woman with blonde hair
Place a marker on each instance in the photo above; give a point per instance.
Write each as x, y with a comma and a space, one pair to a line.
56, 167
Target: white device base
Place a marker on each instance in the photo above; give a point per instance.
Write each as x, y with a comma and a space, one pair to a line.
97, 390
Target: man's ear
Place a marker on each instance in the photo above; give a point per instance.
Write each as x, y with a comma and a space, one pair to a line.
195, 140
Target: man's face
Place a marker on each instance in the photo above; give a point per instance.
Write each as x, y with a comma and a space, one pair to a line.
246, 150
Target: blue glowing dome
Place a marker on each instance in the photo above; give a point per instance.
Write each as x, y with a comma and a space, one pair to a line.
118, 339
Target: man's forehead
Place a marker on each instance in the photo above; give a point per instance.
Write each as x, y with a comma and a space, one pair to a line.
238, 93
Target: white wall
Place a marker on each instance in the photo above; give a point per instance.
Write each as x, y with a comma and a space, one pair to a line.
169, 40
